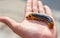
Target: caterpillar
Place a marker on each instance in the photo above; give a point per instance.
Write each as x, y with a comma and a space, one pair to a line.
41, 17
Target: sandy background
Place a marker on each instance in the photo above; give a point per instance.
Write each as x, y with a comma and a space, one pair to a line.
15, 10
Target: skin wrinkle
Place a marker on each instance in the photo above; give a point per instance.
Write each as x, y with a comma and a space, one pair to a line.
31, 28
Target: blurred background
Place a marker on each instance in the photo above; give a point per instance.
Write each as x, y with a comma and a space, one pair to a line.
15, 10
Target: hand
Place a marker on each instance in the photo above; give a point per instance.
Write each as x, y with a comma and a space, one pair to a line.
32, 29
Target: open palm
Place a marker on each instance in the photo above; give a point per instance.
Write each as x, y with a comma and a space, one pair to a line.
31, 28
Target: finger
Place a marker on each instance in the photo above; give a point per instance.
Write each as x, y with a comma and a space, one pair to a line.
41, 9
47, 10
28, 6
35, 5
11, 23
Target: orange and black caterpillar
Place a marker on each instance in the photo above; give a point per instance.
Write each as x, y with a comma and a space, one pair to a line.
41, 17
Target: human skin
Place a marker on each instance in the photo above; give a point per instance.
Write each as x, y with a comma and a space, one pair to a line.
31, 28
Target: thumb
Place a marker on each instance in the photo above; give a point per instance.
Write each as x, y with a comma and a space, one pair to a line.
8, 21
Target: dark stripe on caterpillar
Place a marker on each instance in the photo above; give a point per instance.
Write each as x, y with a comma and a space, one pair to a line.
41, 17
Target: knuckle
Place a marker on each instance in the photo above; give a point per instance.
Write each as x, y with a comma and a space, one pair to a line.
28, 5
41, 10
35, 9
28, 9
